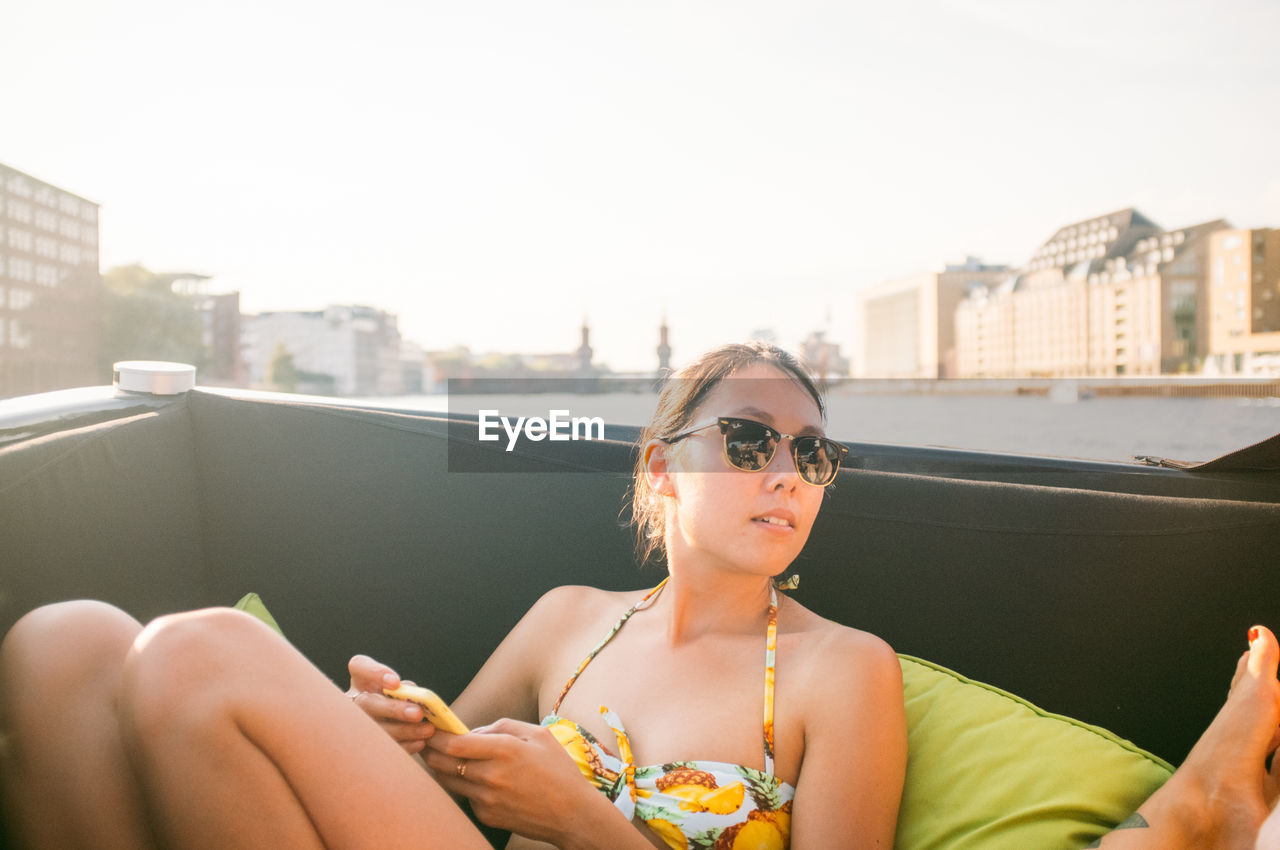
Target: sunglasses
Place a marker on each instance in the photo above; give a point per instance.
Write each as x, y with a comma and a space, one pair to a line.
750, 445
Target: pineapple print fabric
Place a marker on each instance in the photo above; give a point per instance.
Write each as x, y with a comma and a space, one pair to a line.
690, 805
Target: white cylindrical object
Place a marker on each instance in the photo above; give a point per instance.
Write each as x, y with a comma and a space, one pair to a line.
154, 376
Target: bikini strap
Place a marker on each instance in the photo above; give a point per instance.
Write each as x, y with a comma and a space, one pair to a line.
555, 709
624, 750
770, 649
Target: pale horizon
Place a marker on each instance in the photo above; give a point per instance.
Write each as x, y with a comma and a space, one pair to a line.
496, 174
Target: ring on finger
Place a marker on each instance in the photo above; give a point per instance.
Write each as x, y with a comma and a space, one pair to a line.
461, 767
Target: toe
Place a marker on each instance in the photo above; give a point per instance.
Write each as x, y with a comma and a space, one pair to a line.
1264, 653
1242, 667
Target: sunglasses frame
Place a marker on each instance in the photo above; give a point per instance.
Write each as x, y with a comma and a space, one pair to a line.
725, 423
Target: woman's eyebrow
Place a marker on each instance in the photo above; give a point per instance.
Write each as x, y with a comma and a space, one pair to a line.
767, 418
755, 413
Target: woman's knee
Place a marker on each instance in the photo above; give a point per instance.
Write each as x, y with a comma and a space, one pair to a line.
66, 643
183, 668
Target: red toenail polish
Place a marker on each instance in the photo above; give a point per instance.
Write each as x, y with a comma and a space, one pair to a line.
1253, 634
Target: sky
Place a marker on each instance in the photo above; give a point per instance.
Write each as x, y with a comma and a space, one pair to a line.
495, 173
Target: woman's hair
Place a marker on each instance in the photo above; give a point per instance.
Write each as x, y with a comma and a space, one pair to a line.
678, 401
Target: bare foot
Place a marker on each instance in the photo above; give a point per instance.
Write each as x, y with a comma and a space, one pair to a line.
1228, 763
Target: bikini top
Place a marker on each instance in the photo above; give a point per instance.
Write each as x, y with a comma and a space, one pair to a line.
705, 804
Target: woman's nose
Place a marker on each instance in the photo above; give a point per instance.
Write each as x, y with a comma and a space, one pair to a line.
782, 467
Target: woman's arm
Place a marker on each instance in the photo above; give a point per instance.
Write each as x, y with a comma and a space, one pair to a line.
855, 746
507, 685
519, 778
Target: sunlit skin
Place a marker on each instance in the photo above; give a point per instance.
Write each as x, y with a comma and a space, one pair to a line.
712, 509
694, 655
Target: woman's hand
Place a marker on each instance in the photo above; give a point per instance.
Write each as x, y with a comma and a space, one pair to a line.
400, 719
519, 778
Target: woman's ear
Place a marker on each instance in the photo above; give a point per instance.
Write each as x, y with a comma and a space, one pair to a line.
657, 467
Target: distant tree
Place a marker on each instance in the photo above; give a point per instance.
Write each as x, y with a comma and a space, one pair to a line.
144, 319
282, 372
500, 362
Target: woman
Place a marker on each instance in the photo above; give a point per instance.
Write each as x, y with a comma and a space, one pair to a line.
205, 728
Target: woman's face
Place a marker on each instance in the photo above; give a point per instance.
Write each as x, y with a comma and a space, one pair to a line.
753, 522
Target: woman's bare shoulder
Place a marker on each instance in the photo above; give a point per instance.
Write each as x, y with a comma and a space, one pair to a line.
577, 606
579, 595
549, 637
841, 655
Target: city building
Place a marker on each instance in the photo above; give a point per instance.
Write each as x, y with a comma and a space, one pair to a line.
223, 338
220, 313
462, 365
664, 349
823, 357
50, 287
1243, 305
344, 350
413, 363
907, 327
585, 352
1111, 295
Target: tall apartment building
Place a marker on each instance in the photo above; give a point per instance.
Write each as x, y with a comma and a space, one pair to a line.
345, 350
50, 287
1112, 295
1243, 305
220, 316
222, 323
906, 325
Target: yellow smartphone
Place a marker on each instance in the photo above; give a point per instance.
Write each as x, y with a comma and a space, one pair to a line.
433, 708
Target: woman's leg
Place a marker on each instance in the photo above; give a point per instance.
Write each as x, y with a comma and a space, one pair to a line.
1223, 792
239, 741
66, 777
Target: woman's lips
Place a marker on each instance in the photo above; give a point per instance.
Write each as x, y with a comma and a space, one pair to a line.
777, 521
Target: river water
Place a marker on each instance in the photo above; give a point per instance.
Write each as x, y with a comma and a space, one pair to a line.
1100, 428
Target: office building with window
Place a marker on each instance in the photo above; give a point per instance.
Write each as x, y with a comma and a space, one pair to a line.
50, 287
906, 326
220, 316
1243, 307
345, 350
1112, 295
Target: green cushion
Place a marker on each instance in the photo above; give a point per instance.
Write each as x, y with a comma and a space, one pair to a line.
988, 770
251, 603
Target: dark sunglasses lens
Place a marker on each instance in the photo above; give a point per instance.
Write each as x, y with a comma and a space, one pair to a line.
748, 446
816, 459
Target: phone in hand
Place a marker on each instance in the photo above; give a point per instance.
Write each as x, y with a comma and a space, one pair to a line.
433, 708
